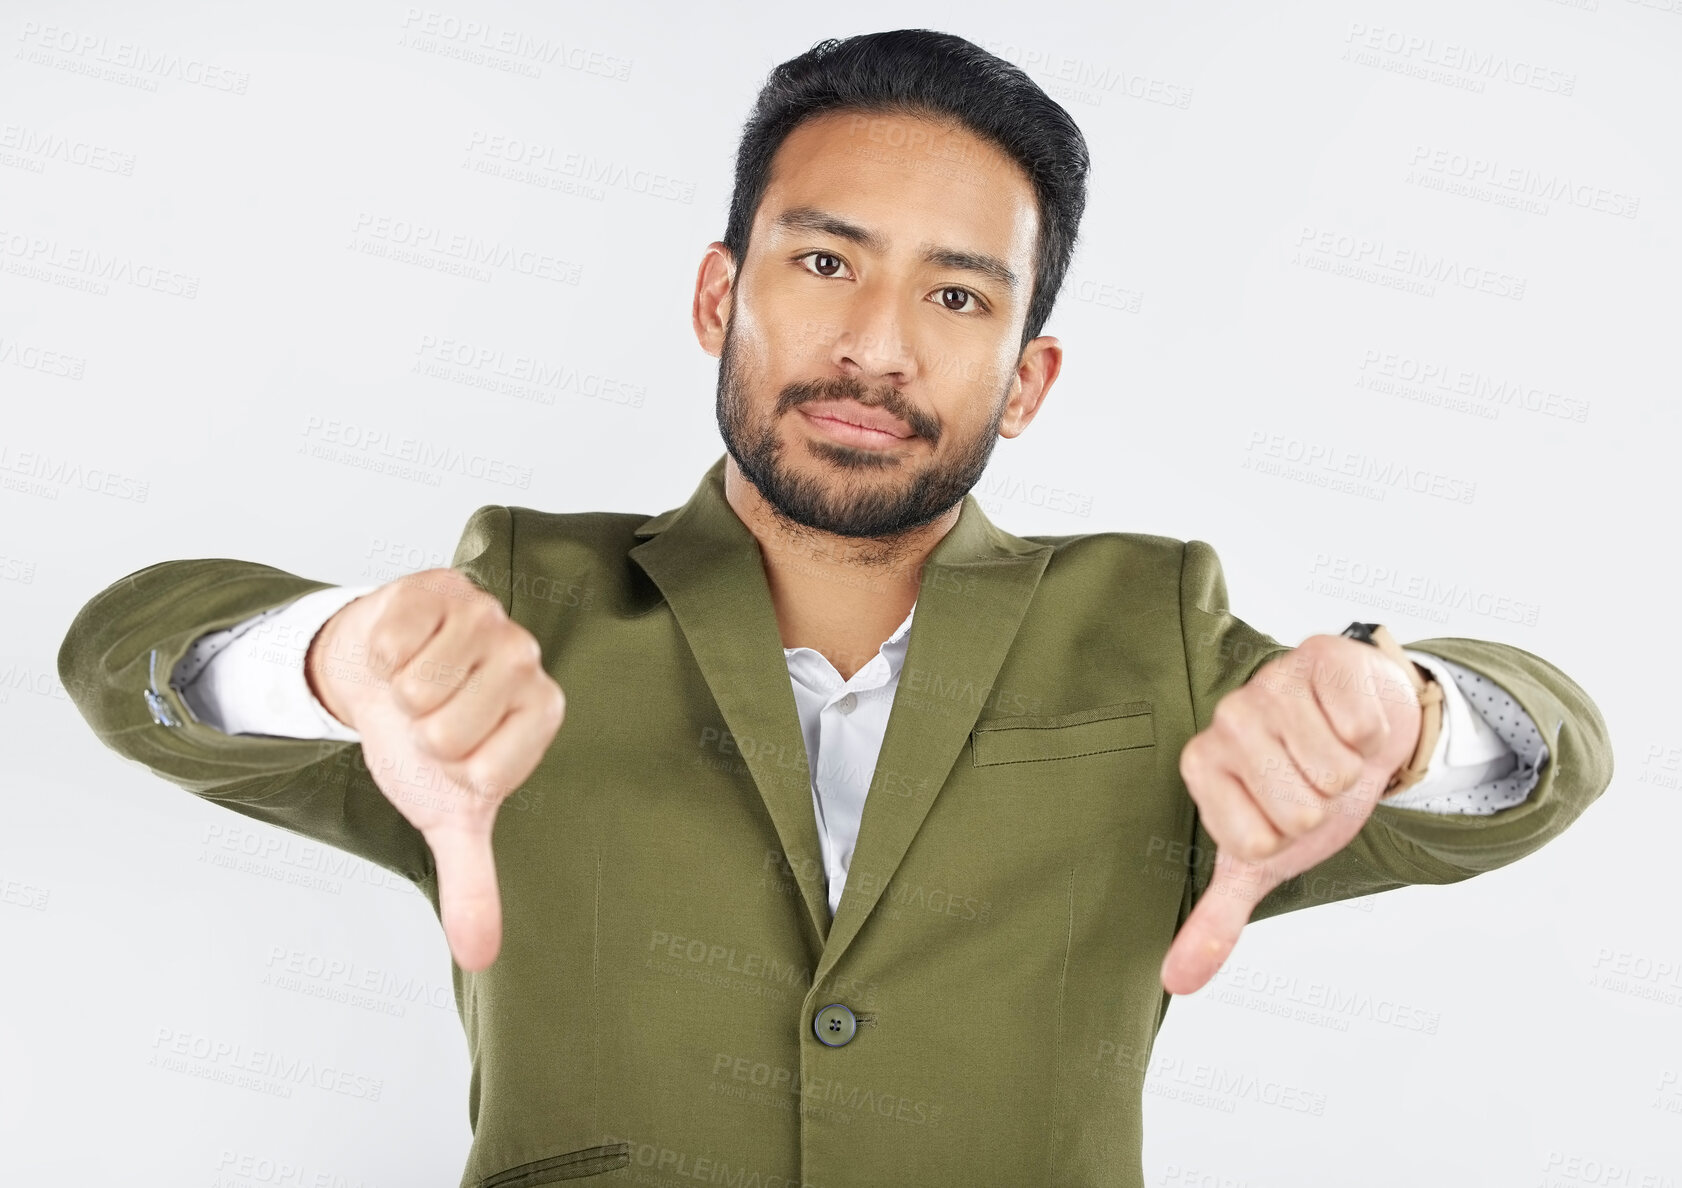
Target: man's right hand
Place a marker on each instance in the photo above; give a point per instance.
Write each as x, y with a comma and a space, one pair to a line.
455, 710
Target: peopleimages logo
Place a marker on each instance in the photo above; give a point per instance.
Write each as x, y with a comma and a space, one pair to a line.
1413, 593
339, 440
1401, 263
28, 357
1491, 172
1088, 82
1417, 377
404, 240
1266, 451
523, 376
481, 44
48, 258
148, 65
45, 146
520, 159
1414, 54
262, 1069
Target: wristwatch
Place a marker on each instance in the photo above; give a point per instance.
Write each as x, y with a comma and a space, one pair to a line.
1430, 704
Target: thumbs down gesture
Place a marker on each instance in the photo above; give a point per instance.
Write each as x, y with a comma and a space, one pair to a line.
1286, 774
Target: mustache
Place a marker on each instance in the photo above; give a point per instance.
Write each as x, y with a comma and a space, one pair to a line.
846, 388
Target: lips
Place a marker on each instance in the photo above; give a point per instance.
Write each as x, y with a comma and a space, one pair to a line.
854, 413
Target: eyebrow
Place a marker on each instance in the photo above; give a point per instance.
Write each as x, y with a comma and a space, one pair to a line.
807, 218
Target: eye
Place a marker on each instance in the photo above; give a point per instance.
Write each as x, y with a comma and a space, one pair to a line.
822, 256
832, 261
964, 293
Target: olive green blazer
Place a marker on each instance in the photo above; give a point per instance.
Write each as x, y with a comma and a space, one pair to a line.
1027, 851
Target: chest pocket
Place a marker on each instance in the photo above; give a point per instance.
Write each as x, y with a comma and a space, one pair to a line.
1027, 738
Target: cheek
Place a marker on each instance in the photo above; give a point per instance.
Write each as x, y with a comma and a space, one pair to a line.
985, 381
972, 358
751, 352
784, 347
799, 318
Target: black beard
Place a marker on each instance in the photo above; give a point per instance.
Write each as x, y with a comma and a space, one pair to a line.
877, 513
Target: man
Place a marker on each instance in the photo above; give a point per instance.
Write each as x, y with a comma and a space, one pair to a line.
904, 904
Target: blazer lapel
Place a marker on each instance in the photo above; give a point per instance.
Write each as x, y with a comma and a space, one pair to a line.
709, 567
976, 586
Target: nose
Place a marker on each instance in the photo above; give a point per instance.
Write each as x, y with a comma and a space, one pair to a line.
872, 346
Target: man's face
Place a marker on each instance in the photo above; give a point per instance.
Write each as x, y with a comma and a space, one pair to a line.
889, 265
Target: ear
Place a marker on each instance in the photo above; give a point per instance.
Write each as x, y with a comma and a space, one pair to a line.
1042, 360
714, 286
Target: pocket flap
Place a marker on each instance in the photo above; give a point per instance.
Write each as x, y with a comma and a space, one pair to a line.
573, 1165
1116, 727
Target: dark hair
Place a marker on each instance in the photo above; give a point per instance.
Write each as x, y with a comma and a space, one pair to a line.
919, 72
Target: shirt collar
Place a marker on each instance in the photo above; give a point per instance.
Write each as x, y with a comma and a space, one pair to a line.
814, 670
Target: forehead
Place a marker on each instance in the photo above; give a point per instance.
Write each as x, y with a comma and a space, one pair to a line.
913, 179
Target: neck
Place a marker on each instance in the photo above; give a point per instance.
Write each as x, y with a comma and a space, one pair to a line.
841, 595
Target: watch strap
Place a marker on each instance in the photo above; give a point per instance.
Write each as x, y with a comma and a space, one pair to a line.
1430, 695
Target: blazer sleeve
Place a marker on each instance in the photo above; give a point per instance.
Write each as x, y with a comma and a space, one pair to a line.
1398, 846
115, 662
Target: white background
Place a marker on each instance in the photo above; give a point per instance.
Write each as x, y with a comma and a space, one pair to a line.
1223, 363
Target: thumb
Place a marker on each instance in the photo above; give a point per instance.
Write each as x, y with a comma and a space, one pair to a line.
470, 906
1221, 912
1211, 930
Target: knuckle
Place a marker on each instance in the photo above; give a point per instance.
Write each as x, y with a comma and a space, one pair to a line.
420, 594
429, 735
415, 687
472, 610
477, 776
521, 648
402, 690
1284, 810
1319, 778
383, 636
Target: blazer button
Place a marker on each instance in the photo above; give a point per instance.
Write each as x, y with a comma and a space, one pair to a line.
160, 709
834, 1025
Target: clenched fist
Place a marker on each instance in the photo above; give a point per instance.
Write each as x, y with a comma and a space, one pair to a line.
455, 710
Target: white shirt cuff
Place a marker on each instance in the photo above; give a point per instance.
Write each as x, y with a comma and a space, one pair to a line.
255, 684
1469, 753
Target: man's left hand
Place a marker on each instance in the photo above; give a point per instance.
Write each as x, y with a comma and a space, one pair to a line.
1286, 774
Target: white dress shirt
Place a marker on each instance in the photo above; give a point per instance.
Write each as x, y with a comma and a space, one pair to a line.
249, 679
